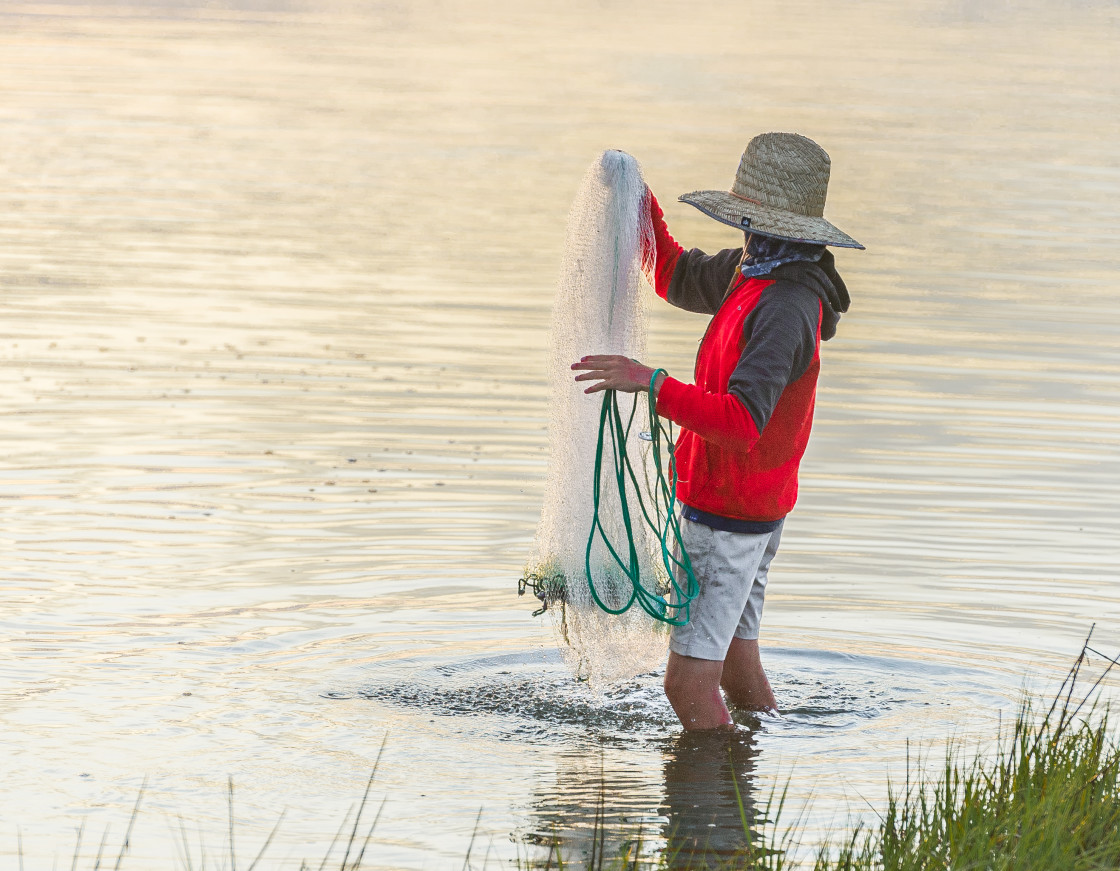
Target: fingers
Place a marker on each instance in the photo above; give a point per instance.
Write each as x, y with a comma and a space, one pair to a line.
604, 381
612, 372
599, 361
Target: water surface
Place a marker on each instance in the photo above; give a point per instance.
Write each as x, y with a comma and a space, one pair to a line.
275, 284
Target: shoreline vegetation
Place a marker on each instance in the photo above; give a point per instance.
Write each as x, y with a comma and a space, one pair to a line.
1046, 797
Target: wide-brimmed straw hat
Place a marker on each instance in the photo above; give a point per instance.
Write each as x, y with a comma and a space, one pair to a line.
778, 191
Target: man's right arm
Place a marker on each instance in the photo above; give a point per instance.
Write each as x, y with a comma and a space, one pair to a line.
691, 280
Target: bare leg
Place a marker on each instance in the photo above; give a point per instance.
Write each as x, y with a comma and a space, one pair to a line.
692, 686
744, 680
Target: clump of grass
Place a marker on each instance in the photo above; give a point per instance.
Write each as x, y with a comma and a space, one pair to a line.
1047, 799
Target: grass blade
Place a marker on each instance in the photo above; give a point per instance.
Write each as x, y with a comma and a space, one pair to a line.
369, 835
362, 804
268, 840
232, 859
131, 820
470, 846
334, 840
78, 846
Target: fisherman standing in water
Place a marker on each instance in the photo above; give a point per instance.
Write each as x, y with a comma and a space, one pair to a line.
745, 422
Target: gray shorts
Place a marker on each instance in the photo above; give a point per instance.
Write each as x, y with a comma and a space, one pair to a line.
731, 568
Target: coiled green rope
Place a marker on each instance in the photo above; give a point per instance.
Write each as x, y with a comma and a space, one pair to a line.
675, 609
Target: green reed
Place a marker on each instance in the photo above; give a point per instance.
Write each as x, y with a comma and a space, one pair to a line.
1048, 798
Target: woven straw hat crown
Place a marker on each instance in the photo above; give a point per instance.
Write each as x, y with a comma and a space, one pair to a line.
784, 171
779, 190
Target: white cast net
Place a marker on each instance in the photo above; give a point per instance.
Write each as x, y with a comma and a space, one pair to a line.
599, 309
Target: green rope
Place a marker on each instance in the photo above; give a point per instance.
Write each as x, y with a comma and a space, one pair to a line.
674, 610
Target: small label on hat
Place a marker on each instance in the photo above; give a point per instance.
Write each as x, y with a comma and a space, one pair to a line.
746, 222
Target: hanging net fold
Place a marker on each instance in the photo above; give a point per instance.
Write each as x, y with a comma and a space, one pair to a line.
608, 542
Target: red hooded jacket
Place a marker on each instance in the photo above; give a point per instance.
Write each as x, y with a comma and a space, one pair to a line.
746, 420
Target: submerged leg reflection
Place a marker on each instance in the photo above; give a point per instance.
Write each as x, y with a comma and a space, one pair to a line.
708, 801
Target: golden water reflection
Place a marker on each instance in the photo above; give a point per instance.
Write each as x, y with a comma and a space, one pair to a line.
275, 285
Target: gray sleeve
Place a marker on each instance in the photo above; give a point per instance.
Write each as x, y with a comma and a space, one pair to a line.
780, 342
700, 280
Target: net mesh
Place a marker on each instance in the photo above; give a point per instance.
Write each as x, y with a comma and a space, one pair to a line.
599, 309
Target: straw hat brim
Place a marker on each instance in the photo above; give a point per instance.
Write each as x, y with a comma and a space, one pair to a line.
767, 220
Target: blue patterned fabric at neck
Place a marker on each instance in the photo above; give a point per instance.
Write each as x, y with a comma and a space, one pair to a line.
765, 253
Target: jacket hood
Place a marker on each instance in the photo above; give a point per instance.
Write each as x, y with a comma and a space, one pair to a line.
823, 279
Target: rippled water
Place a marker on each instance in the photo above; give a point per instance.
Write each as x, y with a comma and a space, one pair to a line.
275, 286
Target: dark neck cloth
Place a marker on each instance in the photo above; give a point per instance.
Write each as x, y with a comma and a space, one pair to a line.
765, 253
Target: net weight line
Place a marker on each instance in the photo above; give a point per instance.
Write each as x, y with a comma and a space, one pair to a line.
675, 609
